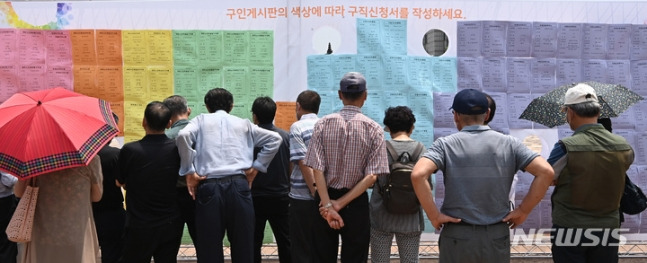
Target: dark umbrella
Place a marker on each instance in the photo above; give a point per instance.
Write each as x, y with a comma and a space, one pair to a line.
546, 109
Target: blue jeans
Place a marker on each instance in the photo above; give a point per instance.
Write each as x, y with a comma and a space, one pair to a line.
224, 204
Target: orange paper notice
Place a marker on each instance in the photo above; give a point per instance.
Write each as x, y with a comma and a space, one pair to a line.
285, 114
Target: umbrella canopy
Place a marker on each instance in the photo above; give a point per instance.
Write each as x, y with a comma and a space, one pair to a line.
54, 129
546, 109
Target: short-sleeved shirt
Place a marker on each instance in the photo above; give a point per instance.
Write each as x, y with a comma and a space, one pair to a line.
300, 135
395, 223
347, 146
478, 166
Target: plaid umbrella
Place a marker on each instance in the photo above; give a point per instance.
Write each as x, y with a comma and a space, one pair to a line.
50, 130
546, 109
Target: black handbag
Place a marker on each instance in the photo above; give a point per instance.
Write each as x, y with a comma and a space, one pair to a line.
633, 199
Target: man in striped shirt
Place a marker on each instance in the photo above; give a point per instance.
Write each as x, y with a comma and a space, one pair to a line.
303, 207
347, 153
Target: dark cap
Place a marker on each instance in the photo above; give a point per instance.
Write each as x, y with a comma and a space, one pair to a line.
470, 102
352, 82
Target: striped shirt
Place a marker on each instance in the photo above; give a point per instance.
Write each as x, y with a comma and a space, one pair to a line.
347, 146
300, 135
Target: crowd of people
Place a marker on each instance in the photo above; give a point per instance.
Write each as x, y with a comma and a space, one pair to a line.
220, 174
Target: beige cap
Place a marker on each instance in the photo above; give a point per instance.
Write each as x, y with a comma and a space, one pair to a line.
580, 93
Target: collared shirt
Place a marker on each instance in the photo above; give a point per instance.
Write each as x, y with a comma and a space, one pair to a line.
347, 146
176, 127
300, 135
7, 182
219, 144
478, 166
172, 133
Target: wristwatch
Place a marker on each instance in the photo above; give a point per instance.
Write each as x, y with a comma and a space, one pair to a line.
328, 205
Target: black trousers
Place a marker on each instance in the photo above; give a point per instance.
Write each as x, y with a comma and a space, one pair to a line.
303, 213
160, 243
275, 210
110, 224
355, 235
8, 249
187, 208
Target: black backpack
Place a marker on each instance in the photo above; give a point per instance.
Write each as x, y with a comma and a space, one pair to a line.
633, 200
397, 194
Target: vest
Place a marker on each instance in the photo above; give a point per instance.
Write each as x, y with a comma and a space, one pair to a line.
588, 191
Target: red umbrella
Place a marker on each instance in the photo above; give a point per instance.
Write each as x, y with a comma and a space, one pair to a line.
50, 130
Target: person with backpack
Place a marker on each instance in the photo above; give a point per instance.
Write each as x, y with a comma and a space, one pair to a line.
395, 210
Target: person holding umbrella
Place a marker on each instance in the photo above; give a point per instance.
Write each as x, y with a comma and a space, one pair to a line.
55, 136
64, 229
590, 169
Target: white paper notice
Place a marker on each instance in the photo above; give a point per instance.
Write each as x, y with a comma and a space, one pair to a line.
594, 41
469, 38
543, 74
638, 42
640, 115
517, 103
443, 117
494, 38
519, 74
500, 120
519, 39
639, 76
619, 72
544, 39
569, 40
494, 74
595, 70
469, 73
568, 71
619, 42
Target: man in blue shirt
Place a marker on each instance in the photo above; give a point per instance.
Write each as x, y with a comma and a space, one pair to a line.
217, 153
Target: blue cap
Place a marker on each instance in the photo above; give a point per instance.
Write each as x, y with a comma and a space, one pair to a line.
470, 102
352, 82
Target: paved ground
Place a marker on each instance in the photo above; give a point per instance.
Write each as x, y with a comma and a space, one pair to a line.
632, 252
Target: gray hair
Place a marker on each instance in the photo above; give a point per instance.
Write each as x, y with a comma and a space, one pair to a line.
586, 109
177, 104
473, 119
